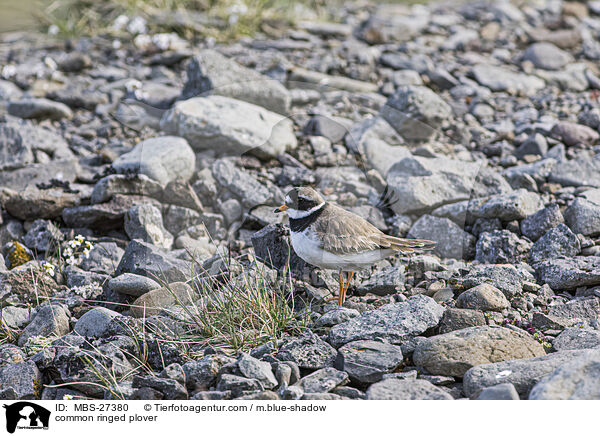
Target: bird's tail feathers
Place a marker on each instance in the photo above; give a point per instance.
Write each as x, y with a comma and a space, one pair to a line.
409, 245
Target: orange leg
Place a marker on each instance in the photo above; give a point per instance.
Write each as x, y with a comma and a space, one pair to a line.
341, 293
347, 284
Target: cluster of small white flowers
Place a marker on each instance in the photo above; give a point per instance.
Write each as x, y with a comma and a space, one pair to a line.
77, 248
120, 22
235, 10
9, 71
137, 25
49, 268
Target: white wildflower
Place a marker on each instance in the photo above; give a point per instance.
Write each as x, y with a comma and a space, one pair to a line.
143, 41
120, 22
9, 71
53, 30
137, 25
132, 85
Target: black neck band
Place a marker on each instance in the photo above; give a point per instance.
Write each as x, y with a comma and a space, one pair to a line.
300, 224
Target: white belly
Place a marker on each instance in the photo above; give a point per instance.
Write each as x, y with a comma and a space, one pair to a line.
307, 247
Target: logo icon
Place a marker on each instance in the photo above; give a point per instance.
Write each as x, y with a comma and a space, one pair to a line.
26, 415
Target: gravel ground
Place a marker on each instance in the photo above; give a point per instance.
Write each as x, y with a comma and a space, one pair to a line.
138, 177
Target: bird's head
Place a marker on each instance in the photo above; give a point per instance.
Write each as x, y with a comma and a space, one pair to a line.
301, 202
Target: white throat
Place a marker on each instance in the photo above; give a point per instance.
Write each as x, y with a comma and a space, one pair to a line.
296, 214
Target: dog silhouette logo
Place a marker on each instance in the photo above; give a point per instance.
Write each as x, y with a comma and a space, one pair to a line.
26, 415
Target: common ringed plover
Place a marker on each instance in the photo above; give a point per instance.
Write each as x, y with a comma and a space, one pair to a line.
329, 237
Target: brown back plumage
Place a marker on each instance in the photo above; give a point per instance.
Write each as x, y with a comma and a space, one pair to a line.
343, 232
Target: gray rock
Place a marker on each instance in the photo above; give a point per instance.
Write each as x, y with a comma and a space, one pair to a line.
132, 284
148, 260
458, 319
244, 186
416, 112
502, 79
583, 214
574, 134
577, 338
367, 361
393, 323
256, 369
238, 385
9, 91
391, 23
95, 322
24, 378
209, 72
501, 246
332, 128
273, 247
423, 184
178, 294
157, 95
308, 351
32, 203
230, 126
575, 380
512, 206
569, 273
328, 82
74, 62
538, 223
394, 389
454, 353
336, 316
103, 258
538, 171
522, 373
128, 184
171, 389
483, 297
571, 78
175, 372
503, 391
39, 108
43, 236
202, 373
577, 310
15, 317
105, 216
558, 241
50, 320
534, 145
145, 222
388, 281
451, 240
163, 159
323, 380
582, 171
407, 77
547, 56
507, 278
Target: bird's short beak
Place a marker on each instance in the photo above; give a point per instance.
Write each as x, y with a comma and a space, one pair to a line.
281, 208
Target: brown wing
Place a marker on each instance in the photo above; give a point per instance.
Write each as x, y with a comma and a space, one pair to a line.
344, 232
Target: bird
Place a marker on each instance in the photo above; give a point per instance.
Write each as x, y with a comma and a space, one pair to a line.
328, 236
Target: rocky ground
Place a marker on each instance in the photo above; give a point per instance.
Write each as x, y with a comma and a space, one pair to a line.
138, 177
